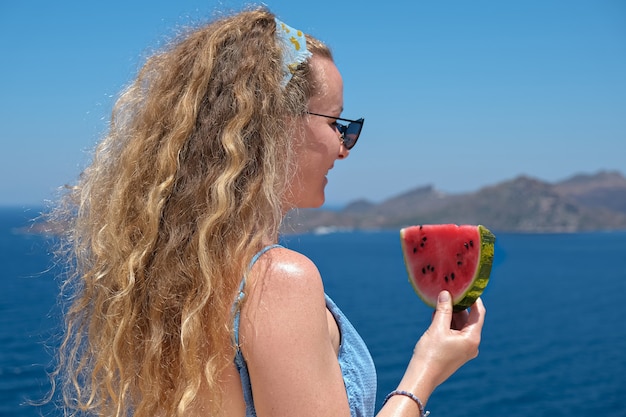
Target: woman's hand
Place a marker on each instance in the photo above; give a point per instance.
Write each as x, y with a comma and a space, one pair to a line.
451, 340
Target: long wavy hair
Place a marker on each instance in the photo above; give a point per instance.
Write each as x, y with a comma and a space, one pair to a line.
186, 186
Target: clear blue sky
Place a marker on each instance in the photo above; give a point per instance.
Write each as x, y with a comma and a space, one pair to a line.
457, 94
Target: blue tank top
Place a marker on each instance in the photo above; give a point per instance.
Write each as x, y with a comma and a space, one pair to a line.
357, 366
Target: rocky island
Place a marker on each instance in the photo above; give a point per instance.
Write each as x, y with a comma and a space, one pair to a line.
583, 202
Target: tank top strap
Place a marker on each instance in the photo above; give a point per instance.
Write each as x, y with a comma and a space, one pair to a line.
239, 360
236, 305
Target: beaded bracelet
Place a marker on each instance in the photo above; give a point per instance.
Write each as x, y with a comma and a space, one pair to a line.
420, 406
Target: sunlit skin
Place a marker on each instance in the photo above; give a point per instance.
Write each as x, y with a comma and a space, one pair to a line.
285, 295
289, 338
321, 145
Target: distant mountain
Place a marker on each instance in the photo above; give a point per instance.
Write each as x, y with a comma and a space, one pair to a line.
524, 204
605, 189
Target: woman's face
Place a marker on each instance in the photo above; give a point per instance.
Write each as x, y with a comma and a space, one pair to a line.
321, 145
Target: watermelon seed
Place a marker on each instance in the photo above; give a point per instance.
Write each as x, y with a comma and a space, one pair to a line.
446, 278
424, 271
471, 243
452, 276
424, 239
459, 263
422, 244
466, 245
414, 250
432, 268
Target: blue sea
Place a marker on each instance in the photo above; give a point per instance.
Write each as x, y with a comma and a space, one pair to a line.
554, 341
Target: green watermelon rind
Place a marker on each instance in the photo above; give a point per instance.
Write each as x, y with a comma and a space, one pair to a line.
480, 281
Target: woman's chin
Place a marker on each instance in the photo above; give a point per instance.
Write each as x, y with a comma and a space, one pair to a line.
307, 200
314, 203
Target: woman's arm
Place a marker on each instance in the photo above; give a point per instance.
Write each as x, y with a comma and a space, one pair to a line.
287, 342
451, 340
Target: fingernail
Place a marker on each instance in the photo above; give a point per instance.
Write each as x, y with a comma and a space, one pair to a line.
444, 296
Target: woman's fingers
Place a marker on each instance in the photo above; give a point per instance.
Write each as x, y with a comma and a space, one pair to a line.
443, 312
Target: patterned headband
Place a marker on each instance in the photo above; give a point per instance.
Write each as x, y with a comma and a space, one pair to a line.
293, 44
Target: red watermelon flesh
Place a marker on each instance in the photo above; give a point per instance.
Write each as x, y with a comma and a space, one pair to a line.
448, 257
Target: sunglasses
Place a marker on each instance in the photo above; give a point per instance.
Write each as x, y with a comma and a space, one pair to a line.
349, 133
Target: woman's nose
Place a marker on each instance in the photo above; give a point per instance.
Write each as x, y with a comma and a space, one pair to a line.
343, 151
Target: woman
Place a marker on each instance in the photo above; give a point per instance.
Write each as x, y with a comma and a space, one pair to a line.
182, 304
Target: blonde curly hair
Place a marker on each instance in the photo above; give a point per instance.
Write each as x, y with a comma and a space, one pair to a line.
186, 186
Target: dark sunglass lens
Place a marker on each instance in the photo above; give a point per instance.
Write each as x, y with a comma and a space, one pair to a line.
341, 128
352, 134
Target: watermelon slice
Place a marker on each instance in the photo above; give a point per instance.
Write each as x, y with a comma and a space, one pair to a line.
448, 257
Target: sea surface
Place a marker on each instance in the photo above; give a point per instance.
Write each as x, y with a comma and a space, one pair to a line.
554, 341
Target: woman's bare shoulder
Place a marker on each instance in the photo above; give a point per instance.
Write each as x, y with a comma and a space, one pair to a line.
285, 288
286, 272
286, 339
